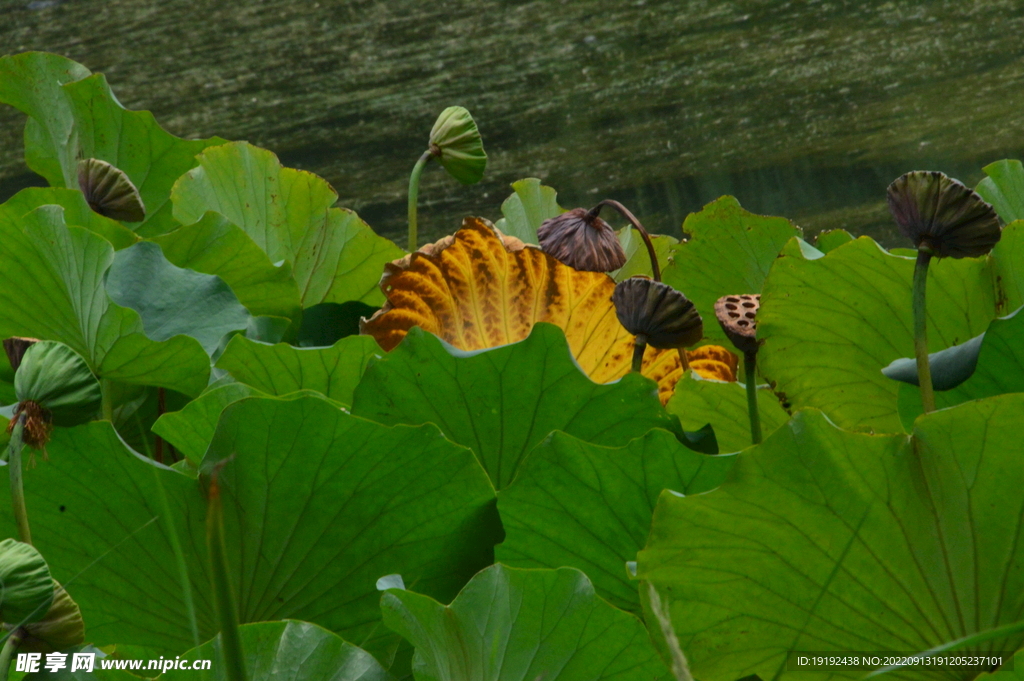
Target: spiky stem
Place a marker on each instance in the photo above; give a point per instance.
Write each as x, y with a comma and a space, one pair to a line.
750, 368
639, 347
924, 373
414, 194
224, 597
625, 212
17, 484
7, 652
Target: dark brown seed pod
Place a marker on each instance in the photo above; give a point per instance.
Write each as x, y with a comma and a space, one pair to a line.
657, 312
737, 316
15, 348
939, 213
582, 241
109, 191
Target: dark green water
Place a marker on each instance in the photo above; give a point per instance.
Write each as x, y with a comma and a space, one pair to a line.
804, 109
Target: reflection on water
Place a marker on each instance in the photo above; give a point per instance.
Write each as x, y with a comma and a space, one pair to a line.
805, 109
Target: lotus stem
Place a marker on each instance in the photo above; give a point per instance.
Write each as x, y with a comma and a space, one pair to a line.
683, 359
7, 652
750, 368
625, 212
224, 597
924, 373
17, 483
414, 194
680, 666
106, 400
639, 347
179, 558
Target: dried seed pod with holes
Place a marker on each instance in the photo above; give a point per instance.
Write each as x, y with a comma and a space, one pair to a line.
941, 214
737, 316
583, 241
109, 191
658, 313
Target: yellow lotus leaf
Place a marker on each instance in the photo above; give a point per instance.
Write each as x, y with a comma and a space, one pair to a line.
479, 289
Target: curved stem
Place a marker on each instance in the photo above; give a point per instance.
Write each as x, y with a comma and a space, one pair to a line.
7, 652
414, 194
17, 484
639, 346
224, 597
750, 368
625, 212
924, 373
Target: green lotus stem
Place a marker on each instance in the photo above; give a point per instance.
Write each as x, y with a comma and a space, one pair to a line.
7, 652
223, 596
680, 665
924, 372
179, 558
414, 194
17, 484
750, 367
638, 352
625, 212
106, 400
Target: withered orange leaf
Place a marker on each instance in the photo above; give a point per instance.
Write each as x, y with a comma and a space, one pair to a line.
479, 289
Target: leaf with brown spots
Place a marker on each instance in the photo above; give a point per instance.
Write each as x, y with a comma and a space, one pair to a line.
479, 289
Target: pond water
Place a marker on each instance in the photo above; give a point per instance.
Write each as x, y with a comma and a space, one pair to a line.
804, 109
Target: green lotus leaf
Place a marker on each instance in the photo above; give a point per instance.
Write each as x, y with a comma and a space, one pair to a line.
526, 209
832, 239
521, 625
191, 429
288, 213
281, 369
76, 212
1004, 188
173, 301
999, 369
58, 379
1008, 266
317, 505
456, 143
288, 650
97, 674
51, 287
1016, 673
26, 588
62, 626
949, 368
73, 115
831, 324
638, 260
698, 401
827, 540
729, 252
502, 401
581, 505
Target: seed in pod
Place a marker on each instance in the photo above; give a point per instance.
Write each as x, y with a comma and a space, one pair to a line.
658, 312
582, 241
109, 191
939, 213
737, 316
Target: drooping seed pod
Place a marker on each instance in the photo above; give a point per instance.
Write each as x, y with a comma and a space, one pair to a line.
582, 240
941, 214
15, 348
109, 191
456, 143
737, 317
657, 312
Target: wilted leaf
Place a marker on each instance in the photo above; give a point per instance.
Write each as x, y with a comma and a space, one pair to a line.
826, 540
288, 213
522, 625
502, 401
589, 507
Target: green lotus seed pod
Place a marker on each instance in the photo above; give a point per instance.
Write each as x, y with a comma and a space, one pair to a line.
663, 315
456, 143
941, 214
60, 628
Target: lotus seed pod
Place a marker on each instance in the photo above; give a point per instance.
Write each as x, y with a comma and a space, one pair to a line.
582, 241
737, 316
62, 627
109, 191
939, 213
15, 348
456, 143
658, 312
